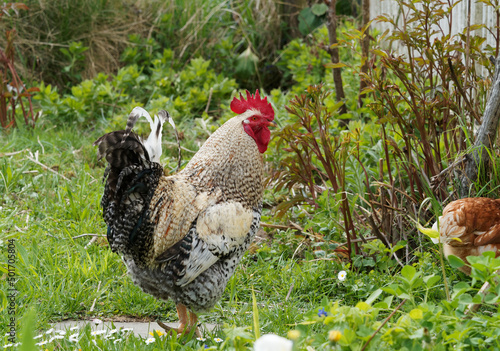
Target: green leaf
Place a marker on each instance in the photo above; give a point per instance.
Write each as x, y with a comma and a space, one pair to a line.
246, 63
455, 262
308, 21
408, 272
319, 9
28, 326
256, 327
431, 280
374, 295
416, 314
363, 306
465, 299
491, 298
431, 233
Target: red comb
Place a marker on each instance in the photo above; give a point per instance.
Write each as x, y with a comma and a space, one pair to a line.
253, 102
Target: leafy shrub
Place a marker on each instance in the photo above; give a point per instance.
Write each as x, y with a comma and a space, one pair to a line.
401, 316
185, 94
398, 149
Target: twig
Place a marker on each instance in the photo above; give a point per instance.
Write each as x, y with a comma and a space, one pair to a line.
209, 100
276, 226
94, 238
204, 126
473, 307
377, 232
19, 229
182, 147
46, 167
385, 321
289, 292
11, 153
39, 143
88, 234
359, 240
179, 157
297, 249
93, 303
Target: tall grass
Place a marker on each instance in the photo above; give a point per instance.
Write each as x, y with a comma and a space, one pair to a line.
61, 42
49, 26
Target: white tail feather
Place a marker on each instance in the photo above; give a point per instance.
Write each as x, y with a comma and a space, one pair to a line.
153, 142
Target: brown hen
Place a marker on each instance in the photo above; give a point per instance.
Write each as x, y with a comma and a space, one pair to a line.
469, 227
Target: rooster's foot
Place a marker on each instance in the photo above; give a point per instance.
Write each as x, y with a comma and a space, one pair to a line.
181, 330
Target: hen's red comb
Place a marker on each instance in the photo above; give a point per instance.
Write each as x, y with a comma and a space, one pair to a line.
253, 102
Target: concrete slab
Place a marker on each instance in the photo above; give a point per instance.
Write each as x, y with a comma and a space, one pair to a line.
138, 328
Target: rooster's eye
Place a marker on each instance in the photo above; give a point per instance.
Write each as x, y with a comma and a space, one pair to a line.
254, 118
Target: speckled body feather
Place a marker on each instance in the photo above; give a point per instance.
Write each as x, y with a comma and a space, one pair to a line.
475, 222
182, 236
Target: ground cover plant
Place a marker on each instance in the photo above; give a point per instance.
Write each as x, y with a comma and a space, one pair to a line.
339, 263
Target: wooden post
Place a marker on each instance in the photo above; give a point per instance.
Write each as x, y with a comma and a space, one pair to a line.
479, 157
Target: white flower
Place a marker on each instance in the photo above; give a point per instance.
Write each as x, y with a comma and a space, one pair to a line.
113, 331
38, 337
116, 341
51, 330
149, 341
98, 332
218, 340
271, 342
73, 337
201, 339
97, 321
56, 337
41, 343
342, 275
61, 332
8, 345
126, 329
74, 328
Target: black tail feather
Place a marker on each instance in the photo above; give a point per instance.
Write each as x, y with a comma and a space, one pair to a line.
130, 182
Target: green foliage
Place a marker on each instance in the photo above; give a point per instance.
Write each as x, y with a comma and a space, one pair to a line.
312, 17
417, 122
74, 53
183, 93
418, 324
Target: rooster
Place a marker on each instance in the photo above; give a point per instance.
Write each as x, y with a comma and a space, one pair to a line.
181, 236
469, 227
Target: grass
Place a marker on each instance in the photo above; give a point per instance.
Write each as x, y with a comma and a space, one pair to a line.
64, 273
61, 272
50, 189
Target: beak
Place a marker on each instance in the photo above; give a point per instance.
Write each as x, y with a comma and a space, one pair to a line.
272, 124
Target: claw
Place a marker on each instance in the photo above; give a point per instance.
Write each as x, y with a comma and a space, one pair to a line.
187, 321
181, 330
